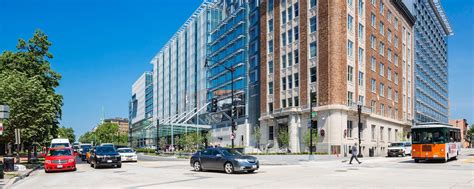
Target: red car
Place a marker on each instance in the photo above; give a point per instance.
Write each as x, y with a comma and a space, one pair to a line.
59, 159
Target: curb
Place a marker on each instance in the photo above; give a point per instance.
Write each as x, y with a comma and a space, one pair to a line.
18, 178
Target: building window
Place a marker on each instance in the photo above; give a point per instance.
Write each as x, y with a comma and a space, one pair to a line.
381, 7
283, 103
290, 13
361, 56
382, 109
389, 74
290, 82
381, 48
395, 78
270, 133
373, 20
389, 93
283, 61
373, 41
373, 2
361, 8
313, 50
389, 134
297, 32
270, 46
350, 50
396, 96
381, 133
349, 98
349, 22
349, 129
381, 92
313, 24
349, 2
361, 78
270, 67
361, 32
296, 8
283, 39
313, 3
270, 25
389, 35
395, 24
297, 101
395, 42
270, 5
382, 69
283, 17
297, 80
297, 56
361, 99
389, 16
290, 102
381, 28
395, 60
283, 83
290, 36
373, 63
373, 85
396, 134
270, 87
290, 59
373, 132
313, 74
389, 54
350, 71
372, 106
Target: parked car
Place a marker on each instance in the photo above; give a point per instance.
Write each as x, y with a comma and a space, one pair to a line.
127, 154
59, 159
105, 156
84, 148
60, 142
399, 149
229, 160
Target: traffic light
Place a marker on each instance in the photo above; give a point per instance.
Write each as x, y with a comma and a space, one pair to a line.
234, 126
234, 111
214, 105
314, 124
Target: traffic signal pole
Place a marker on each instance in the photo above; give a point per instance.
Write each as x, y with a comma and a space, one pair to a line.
232, 106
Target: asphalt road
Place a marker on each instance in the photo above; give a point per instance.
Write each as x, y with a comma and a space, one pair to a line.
378, 172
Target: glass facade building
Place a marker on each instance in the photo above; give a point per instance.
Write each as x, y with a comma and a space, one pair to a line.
432, 30
141, 111
234, 43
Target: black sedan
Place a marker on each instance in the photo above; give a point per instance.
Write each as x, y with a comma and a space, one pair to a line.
226, 159
105, 156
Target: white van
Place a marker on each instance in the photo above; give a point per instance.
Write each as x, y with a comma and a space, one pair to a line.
399, 148
60, 142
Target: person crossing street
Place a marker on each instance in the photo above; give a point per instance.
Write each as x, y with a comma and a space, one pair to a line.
354, 154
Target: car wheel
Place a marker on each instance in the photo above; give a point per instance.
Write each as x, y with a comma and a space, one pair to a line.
119, 166
250, 171
446, 158
46, 171
228, 168
417, 160
197, 166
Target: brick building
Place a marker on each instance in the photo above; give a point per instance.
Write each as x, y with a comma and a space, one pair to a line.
121, 122
341, 53
464, 126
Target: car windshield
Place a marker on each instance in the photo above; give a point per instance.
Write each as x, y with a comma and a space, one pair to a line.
430, 136
231, 152
105, 149
126, 150
59, 152
54, 145
396, 145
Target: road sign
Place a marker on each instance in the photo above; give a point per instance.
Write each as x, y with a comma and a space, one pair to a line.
314, 114
4, 112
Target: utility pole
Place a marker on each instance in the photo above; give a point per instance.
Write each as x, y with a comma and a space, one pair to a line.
359, 111
234, 125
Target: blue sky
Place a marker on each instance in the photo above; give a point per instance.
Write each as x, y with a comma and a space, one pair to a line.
102, 47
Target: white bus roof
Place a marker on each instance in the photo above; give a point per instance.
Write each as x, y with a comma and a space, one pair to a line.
432, 125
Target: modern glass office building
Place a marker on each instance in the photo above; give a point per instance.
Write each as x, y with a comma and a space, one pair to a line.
432, 30
141, 111
234, 44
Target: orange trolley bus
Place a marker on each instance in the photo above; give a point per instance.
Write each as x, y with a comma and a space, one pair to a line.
435, 141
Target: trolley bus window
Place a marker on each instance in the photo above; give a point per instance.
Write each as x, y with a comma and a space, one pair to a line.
427, 136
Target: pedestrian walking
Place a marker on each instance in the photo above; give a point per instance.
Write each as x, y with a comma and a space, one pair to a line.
354, 154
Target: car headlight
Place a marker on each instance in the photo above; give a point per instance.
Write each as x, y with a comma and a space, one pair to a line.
241, 160
71, 160
47, 161
99, 156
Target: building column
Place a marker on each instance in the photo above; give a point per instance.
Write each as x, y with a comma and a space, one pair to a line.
293, 131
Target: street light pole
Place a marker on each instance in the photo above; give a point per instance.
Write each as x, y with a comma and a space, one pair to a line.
311, 124
359, 111
157, 136
231, 70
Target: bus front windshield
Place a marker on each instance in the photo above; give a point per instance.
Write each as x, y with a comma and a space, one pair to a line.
430, 136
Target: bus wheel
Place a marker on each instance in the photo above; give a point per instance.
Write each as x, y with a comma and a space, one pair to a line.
417, 160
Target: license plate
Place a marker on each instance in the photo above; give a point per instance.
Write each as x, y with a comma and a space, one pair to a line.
60, 166
254, 166
109, 161
129, 159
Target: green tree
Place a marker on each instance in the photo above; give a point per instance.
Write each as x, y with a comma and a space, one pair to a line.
87, 137
307, 139
469, 135
27, 85
283, 137
68, 133
107, 133
257, 134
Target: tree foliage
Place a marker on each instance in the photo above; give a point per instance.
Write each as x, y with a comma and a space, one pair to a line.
283, 136
105, 133
68, 133
27, 85
307, 138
